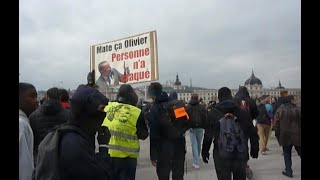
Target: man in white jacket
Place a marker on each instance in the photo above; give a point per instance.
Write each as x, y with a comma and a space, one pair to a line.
27, 104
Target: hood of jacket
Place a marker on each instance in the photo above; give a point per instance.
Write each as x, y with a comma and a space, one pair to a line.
50, 107
193, 102
242, 94
173, 95
227, 106
163, 97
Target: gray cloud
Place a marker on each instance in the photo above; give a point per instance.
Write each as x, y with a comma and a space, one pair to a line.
216, 43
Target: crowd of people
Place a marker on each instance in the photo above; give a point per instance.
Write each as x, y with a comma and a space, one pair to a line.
57, 136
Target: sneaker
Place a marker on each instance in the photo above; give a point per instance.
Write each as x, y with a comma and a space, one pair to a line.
287, 174
264, 153
196, 166
249, 173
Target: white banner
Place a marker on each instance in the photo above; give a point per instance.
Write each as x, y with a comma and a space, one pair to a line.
129, 60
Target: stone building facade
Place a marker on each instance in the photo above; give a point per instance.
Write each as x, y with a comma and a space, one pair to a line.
253, 84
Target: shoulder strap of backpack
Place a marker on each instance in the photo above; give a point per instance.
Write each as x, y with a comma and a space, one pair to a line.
69, 128
164, 107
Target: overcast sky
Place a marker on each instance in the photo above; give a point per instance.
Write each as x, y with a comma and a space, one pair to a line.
215, 42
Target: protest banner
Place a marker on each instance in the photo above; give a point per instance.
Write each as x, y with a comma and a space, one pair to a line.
125, 61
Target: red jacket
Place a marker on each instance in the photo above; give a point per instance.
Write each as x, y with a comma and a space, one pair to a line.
65, 105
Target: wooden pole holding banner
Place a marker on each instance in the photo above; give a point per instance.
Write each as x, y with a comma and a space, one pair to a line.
145, 92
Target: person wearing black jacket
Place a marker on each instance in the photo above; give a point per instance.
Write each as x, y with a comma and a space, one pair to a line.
77, 158
46, 117
243, 94
224, 168
166, 154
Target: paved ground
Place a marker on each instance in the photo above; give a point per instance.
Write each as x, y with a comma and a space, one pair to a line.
264, 168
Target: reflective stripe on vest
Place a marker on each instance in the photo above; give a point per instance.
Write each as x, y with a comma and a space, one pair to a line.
121, 120
123, 135
120, 148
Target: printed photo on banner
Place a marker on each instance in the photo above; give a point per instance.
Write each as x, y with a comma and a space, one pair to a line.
125, 61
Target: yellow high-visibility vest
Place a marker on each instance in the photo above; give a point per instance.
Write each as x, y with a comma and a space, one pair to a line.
121, 120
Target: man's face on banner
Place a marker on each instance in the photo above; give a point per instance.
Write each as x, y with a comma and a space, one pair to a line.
105, 70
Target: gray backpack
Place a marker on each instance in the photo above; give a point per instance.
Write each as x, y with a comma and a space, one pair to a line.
231, 141
48, 154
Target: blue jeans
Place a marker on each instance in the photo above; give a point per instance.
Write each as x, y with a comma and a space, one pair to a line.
287, 149
196, 135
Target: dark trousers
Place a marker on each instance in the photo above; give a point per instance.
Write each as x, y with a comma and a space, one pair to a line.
225, 168
124, 168
287, 150
171, 157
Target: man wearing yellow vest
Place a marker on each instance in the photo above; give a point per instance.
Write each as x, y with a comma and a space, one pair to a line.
126, 125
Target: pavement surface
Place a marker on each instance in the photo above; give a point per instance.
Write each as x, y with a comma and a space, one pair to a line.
266, 167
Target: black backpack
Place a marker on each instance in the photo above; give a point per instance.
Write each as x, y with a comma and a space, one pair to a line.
48, 153
197, 115
175, 118
231, 141
263, 114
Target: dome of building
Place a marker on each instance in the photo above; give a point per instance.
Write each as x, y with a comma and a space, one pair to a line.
280, 87
253, 80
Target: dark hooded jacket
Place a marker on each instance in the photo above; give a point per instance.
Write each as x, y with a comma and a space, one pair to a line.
76, 158
173, 95
44, 119
155, 127
243, 94
212, 129
196, 110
